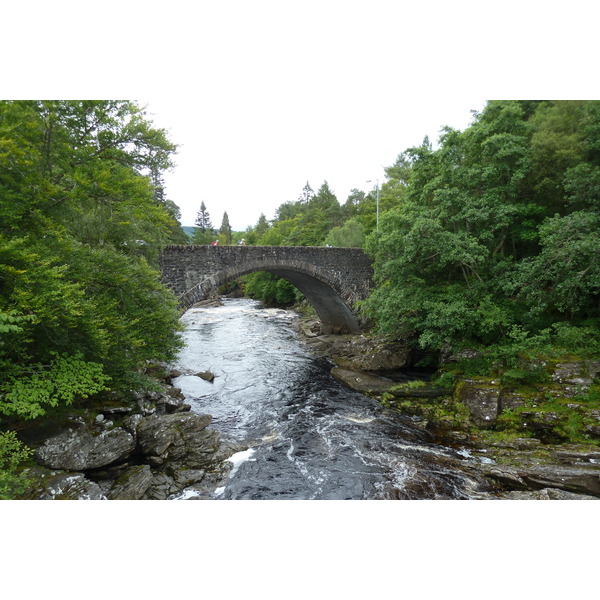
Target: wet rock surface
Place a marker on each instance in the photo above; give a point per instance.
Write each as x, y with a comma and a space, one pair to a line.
535, 467
158, 450
362, 381
360, 352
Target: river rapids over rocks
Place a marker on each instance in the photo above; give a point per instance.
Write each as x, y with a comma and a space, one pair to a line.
306, 435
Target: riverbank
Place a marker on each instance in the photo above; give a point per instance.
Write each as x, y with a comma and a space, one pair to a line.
148, 446
538, 441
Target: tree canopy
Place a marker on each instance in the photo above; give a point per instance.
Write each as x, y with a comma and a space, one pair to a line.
495, 236
81, 225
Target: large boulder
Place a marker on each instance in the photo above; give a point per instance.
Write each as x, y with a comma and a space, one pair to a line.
179, 437
363, 353
172, 401
482, 398
82, 449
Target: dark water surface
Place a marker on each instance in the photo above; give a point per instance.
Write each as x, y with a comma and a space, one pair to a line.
308, 436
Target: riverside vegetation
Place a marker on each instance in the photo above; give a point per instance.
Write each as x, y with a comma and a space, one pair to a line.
486, 259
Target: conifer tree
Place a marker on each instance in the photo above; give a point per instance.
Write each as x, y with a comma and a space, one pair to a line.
205, 231
203, 221
307, 194
225, 233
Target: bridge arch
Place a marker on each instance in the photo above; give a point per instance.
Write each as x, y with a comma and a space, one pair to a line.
332, 279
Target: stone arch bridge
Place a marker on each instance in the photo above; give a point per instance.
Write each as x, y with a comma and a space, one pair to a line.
332, 279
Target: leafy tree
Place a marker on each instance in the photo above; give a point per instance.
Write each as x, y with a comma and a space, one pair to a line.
83, 216
473, 252
289, 210
270, 289
254, 234
314, 218
12, 454
177, 235
262, 226
281, 233
349, 235
354, 200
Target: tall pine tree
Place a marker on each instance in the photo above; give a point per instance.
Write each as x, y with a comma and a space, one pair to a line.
205, 231
225, 233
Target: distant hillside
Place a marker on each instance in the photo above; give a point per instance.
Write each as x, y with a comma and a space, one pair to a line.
189, 231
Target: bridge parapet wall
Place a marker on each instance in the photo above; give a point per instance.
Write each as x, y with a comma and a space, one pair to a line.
184, 266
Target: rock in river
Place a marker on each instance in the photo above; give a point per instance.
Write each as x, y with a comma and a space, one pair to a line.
181, 437
79, 449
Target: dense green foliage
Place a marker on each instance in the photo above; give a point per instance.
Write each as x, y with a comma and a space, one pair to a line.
12, 454
82, 219
495, 239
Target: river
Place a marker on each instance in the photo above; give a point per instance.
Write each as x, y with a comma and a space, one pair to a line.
307, 435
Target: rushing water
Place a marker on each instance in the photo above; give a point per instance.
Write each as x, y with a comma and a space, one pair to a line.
307, 435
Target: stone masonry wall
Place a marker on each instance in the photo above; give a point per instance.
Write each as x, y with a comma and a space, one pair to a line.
333, 279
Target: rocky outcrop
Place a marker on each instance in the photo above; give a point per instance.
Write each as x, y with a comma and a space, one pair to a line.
361, 352
157, 451
206, 375
525, 466
131, 484
63, 485
363, 382
179, 437
578, 480
543, 494
83, 449
576, 376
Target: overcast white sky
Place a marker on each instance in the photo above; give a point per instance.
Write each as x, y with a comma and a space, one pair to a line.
250, 159
263, 96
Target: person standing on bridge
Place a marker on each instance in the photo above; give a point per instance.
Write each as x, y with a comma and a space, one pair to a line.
215, 243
